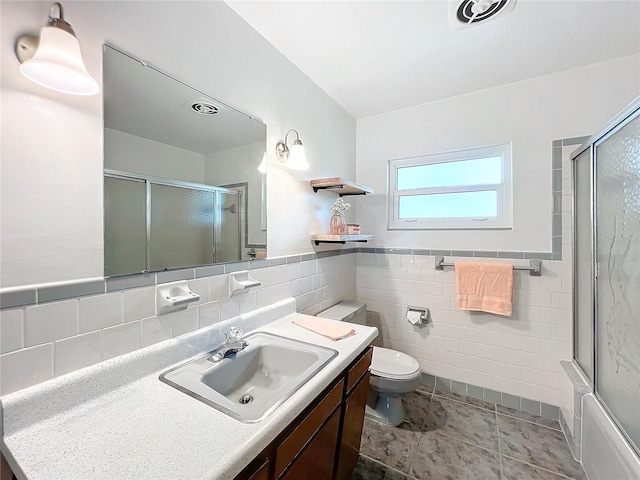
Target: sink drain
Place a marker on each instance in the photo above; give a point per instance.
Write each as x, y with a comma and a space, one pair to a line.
246, 398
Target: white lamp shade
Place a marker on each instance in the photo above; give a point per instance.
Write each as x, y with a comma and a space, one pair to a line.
297, 159
262, 168
58, 65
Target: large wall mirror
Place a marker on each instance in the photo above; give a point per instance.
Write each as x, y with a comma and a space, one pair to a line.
184, 174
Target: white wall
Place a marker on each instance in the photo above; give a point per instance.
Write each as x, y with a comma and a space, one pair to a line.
530, 114
123, 151
51, 178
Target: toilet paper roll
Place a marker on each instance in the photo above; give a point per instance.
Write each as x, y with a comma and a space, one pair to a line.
414, 317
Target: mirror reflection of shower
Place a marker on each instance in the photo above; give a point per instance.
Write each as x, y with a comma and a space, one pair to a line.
155, 224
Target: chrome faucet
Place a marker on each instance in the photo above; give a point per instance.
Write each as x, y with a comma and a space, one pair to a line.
233, 344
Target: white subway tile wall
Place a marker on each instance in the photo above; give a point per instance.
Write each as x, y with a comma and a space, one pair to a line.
50, 321
11, 330
519, 355
42, 341
78, 352
25, 367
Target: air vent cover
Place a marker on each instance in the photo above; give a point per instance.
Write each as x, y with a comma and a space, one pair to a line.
467, 13
204, 106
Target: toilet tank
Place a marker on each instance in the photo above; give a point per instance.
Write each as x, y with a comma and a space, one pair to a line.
347, 311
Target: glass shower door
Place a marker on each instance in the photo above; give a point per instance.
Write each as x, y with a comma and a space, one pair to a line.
125, 219
181, 227
618, 275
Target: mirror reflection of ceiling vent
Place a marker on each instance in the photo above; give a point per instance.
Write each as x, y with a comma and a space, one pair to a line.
204, 106
468, 13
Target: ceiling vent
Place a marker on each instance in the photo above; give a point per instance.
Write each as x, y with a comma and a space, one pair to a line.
467, 13
204, 106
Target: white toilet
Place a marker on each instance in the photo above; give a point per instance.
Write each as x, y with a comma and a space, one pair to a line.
392, 373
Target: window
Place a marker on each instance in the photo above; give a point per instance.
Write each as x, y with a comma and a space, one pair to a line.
465, 189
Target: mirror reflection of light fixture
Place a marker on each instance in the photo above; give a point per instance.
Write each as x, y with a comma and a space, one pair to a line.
262, 168
294, 157
53, 59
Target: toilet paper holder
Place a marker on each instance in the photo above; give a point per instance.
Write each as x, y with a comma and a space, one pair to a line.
424, 313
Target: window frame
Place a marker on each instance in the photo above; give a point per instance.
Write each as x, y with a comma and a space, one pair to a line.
504, 190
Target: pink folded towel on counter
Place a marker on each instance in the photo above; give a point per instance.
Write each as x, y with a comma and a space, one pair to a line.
486, 287
332, 329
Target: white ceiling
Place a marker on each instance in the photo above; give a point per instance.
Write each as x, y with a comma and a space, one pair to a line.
379, 56
141, 101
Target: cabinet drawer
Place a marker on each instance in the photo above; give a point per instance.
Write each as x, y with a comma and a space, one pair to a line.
302, 434
359, 369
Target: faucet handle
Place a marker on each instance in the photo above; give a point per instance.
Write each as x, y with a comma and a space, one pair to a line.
234, 335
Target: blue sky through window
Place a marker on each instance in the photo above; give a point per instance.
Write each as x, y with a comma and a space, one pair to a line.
449, 205
477, 171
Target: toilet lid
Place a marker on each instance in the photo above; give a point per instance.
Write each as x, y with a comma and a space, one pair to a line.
392, 364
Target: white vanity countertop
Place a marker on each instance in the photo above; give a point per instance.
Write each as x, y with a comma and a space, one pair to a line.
146, 429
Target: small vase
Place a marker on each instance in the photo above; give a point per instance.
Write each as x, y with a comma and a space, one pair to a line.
337, 225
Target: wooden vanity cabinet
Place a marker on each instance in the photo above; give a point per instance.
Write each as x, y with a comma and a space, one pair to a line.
323, 443
354, 408
317, 460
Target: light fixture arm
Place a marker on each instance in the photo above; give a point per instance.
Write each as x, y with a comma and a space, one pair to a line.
58, 20
287, 134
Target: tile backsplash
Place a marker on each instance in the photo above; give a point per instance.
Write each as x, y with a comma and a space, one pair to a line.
45, 340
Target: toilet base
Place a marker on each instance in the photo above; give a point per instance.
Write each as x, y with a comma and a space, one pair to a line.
386, 409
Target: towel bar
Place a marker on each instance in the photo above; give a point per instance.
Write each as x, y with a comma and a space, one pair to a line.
534, 268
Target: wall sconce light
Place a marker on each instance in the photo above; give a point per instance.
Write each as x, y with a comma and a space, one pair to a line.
293, 157
53, 58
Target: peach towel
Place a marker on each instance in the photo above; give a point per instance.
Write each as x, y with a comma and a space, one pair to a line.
487, 287
332, 329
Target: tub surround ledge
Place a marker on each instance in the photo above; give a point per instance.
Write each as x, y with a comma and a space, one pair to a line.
116, 419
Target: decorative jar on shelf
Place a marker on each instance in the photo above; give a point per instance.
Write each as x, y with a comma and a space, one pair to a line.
336, 226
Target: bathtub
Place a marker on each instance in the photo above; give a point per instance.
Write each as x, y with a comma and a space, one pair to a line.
606, 455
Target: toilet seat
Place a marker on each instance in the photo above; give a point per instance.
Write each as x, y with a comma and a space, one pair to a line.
392, 364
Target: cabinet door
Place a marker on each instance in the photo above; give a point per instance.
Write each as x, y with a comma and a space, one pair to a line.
256, 470
317, 460
352, 429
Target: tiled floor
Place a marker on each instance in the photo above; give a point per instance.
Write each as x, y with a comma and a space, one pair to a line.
452, 437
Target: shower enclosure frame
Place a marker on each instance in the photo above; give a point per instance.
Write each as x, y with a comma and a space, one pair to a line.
630, 113
574, 167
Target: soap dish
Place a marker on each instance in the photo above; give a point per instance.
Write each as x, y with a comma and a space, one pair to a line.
171, 297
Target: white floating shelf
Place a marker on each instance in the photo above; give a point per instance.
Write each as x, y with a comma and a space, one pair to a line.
326, 238
340, 186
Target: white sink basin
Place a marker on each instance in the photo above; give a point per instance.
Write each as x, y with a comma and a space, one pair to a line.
254, 382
